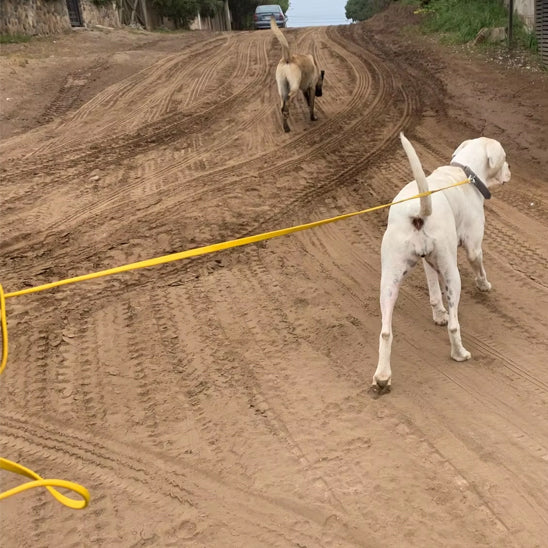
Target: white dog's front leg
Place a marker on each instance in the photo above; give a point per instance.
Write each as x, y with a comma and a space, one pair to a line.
475, 257
439, 313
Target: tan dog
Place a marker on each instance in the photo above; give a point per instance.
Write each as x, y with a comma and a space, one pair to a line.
296, 72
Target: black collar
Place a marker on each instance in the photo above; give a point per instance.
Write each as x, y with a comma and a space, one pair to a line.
475, 180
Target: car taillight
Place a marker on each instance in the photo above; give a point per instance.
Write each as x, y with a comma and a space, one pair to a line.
255, 17
280, 17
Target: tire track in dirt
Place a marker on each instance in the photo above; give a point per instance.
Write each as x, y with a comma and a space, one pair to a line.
463, 381
90, 400
247, 91
464, 441
267, 390
72, 348
525, 259
161, 79
210, 304
301, 142
70, 91
144, 413
199, 375
262, 404
129, 91
230, 133
207, 72
120, 466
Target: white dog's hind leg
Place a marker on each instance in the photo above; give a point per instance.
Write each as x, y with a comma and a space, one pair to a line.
391, 279
439, 313
452, 287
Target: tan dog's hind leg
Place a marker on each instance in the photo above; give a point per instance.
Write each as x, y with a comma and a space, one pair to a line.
283, 90
285, 108
310, 96
285, 115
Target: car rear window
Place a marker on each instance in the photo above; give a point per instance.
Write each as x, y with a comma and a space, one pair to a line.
268, 9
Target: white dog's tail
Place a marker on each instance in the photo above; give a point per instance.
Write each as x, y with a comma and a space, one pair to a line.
418, 173
286, 53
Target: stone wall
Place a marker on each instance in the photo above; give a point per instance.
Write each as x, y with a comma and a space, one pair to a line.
31, 17
106, 15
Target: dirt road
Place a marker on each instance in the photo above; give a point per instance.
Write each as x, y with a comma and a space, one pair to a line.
223, 400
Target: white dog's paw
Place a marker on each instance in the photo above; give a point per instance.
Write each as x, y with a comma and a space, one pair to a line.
461, 355
483, 285
381, 386
441, 317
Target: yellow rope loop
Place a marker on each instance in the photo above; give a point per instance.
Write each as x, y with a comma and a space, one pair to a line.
10, 466
49, 484
82, 491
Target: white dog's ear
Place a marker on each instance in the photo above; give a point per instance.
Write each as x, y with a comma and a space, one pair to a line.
461, 146
495, 153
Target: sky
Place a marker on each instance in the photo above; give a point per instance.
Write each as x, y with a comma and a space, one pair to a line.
312, 13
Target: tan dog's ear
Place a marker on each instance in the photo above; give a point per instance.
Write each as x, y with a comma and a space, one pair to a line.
461, 146
495, 154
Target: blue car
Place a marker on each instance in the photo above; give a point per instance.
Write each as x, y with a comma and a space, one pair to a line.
261, 18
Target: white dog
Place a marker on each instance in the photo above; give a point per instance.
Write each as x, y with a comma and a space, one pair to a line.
432, 228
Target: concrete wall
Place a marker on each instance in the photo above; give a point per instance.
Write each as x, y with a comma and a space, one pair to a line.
526, 10
31, 17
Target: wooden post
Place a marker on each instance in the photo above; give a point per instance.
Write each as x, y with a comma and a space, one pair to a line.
145, 14
227, 15
134, 9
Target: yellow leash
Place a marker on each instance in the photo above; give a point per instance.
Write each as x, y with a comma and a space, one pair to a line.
217, 247
82, 491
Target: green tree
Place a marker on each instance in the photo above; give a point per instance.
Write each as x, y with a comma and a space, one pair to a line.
209, 8
183, 12
242, 13
360, 10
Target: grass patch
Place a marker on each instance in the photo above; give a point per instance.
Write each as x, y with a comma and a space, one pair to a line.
459, 21
14, 38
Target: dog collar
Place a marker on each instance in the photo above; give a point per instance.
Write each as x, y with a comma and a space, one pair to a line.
475, 180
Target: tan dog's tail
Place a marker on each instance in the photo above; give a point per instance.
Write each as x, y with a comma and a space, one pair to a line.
286, 54
418, 173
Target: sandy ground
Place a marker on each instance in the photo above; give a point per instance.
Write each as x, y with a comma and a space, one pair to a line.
224, 400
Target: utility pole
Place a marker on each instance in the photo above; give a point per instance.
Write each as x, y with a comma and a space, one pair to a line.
510, 23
